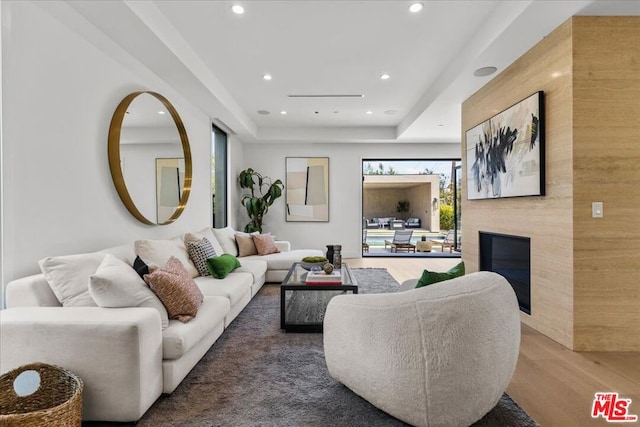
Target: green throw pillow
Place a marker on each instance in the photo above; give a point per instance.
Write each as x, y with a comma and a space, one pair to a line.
221, 266
431, 277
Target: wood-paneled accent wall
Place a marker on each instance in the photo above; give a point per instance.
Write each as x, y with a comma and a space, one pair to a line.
547, 220
606, 168
584, 271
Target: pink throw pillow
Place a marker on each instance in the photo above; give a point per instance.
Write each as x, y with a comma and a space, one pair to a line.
174, 286
265, 244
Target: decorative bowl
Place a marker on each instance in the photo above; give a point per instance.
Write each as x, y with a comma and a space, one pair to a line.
310, 265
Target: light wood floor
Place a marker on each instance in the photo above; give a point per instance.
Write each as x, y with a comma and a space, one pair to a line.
553, 384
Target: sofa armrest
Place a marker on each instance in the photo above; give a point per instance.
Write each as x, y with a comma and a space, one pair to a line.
117, 352
408, 284
283, 245
31, 291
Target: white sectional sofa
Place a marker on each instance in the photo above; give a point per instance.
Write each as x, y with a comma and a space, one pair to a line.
123, 355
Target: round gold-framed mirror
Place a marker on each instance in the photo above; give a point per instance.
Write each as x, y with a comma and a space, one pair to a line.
150, 158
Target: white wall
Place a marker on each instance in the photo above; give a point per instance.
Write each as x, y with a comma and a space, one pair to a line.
60, 92
345, 187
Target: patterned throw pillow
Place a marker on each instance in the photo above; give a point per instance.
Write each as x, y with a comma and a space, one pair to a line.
176, 289
200, 252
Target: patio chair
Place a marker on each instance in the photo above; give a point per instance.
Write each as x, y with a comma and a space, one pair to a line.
365, 245
401, 241
446, 242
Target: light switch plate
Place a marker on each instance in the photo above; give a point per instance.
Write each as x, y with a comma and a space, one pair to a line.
597, 210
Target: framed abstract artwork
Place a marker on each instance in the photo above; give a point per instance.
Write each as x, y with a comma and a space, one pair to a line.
307, 189
505, 154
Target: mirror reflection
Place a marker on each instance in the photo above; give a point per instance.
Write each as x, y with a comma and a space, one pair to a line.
153, 158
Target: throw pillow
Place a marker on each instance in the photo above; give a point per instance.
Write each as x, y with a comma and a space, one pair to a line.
158, 252
245, 244
227, 239
175, 287
221, 266
430, 277
140, 267
265, 244
115, 284
200, 252
68, 277
206, 233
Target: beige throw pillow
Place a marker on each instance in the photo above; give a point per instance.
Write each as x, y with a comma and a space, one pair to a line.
158, 252
246, 247
116, 284
68, 277
176, 289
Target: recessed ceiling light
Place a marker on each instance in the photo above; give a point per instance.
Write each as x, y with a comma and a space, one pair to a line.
390, 112
237, 9
415, 7
385, 76
440, 125
267, 76
369, 112
283, 112
484, 71
263, 112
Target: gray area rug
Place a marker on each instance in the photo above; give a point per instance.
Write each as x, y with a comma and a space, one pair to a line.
256, 375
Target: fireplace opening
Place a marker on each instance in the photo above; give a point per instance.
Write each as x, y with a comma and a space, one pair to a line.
509, 256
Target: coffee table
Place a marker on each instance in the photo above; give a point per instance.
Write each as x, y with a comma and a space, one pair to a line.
302, 306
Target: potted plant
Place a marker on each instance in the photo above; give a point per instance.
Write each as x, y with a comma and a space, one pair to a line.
403, 208
263, 194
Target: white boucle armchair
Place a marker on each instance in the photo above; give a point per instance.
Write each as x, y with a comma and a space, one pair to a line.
441, 355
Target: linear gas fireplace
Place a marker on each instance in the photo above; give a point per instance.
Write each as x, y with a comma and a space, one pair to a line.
509, 256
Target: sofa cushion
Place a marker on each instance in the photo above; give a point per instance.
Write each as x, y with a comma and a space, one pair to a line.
200, 252
256, 267
283, 260
232, 287
116, 284
204, 233
176, 289
180, 337
68, 277
158, 252
227, 238
265, 244
221, 266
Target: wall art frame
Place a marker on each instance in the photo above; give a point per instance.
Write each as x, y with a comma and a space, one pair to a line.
505, 154
307, 189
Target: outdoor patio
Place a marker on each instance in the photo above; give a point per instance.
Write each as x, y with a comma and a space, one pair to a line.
376, 237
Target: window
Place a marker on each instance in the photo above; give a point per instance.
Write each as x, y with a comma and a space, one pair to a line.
218, 178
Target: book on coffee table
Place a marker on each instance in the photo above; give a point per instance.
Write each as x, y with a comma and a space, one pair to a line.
322, 278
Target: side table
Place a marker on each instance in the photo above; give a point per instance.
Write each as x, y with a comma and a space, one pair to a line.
423, 246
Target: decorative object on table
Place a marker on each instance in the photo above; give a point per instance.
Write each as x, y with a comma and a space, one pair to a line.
258, 206
505, 154
313, 261
322, 278
328, 268
423, 238
336, 256
307, 189
56, 401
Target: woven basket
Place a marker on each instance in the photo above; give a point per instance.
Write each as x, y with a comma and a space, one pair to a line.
57, 402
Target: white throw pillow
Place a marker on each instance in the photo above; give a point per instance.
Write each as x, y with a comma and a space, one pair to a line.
206, 233
116, 284
158, 252
227, 239
68, 277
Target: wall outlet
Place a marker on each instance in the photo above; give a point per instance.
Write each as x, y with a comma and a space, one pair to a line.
597, 210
